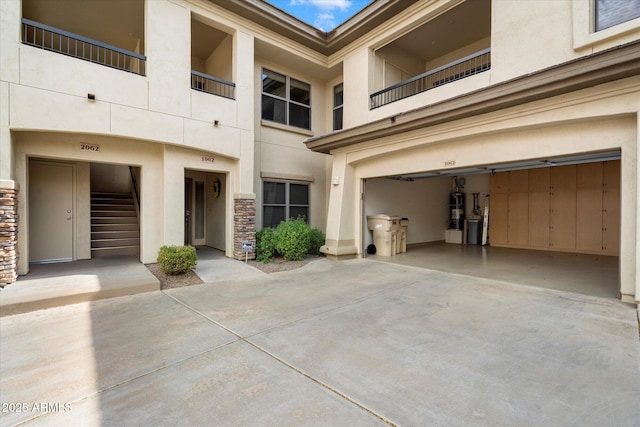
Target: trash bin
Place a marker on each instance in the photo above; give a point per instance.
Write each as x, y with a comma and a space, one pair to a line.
385, 232
474, 231
401, 239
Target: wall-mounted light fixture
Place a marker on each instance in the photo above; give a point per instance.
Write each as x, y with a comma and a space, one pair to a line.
91, 96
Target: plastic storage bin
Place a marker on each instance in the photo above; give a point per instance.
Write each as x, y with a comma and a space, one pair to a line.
474, 231
385, 233
401, 239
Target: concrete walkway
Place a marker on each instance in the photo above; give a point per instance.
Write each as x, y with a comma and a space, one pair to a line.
55, 285
213, 266
335, 343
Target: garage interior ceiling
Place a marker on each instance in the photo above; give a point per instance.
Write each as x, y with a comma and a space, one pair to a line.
527, 164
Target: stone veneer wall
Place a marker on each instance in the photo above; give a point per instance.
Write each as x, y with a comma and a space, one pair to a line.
8, 236
244, 226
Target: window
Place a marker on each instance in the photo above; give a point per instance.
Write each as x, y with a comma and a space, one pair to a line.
199, 213
338, 101
592, 28
284, 200
286, 100
613, 12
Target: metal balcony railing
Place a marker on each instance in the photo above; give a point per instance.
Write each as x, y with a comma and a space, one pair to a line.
464, 67
213, 85
70, 44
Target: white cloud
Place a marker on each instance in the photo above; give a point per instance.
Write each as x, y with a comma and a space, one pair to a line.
331, 4
324, 21
323, 4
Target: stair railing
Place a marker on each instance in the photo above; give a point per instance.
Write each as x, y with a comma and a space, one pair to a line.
136, 197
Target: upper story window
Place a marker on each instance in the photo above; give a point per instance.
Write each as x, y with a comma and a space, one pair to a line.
338, 101
613, 12
286, 100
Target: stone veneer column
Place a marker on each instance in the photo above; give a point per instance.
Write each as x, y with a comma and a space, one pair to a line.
8, 236
244, 225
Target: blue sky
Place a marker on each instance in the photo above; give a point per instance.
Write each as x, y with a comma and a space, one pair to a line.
322, 14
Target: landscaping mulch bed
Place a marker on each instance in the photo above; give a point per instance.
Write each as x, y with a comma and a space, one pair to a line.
169, 281
280, 264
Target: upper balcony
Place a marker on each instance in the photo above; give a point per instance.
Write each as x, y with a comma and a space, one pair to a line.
450, 47
106, 33
211, 60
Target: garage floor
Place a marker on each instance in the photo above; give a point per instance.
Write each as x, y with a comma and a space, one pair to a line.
594, 275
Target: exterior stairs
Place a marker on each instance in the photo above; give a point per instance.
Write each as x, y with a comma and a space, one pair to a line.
115, 229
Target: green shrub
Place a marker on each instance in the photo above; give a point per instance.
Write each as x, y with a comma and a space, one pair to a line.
177, 259
265, 245
316, 237
293, 239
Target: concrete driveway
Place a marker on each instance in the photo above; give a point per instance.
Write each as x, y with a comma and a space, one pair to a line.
334, 343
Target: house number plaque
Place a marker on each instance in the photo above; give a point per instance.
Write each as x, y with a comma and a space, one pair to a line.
89, 147
207, 159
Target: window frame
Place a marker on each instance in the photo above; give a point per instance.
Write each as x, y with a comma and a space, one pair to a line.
339, 107
287, 99
585, 36
600, 26
287, 200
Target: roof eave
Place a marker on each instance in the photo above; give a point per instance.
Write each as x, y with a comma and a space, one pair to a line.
326, 43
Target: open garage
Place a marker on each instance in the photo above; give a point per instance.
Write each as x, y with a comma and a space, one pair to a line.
552, 222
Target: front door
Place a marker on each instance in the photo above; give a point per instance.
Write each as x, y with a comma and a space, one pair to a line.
188, 184
50, 212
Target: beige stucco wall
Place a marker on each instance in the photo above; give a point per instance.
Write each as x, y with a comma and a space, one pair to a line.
357, 88
82, 246
161, 185
62, 74
516, 24
526, 36
280, 151
220, 63
175, 161
6, 144
168, 50
65, 146
10, 14
160, 106
110, 178
158, 123
132, 118
287, 163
